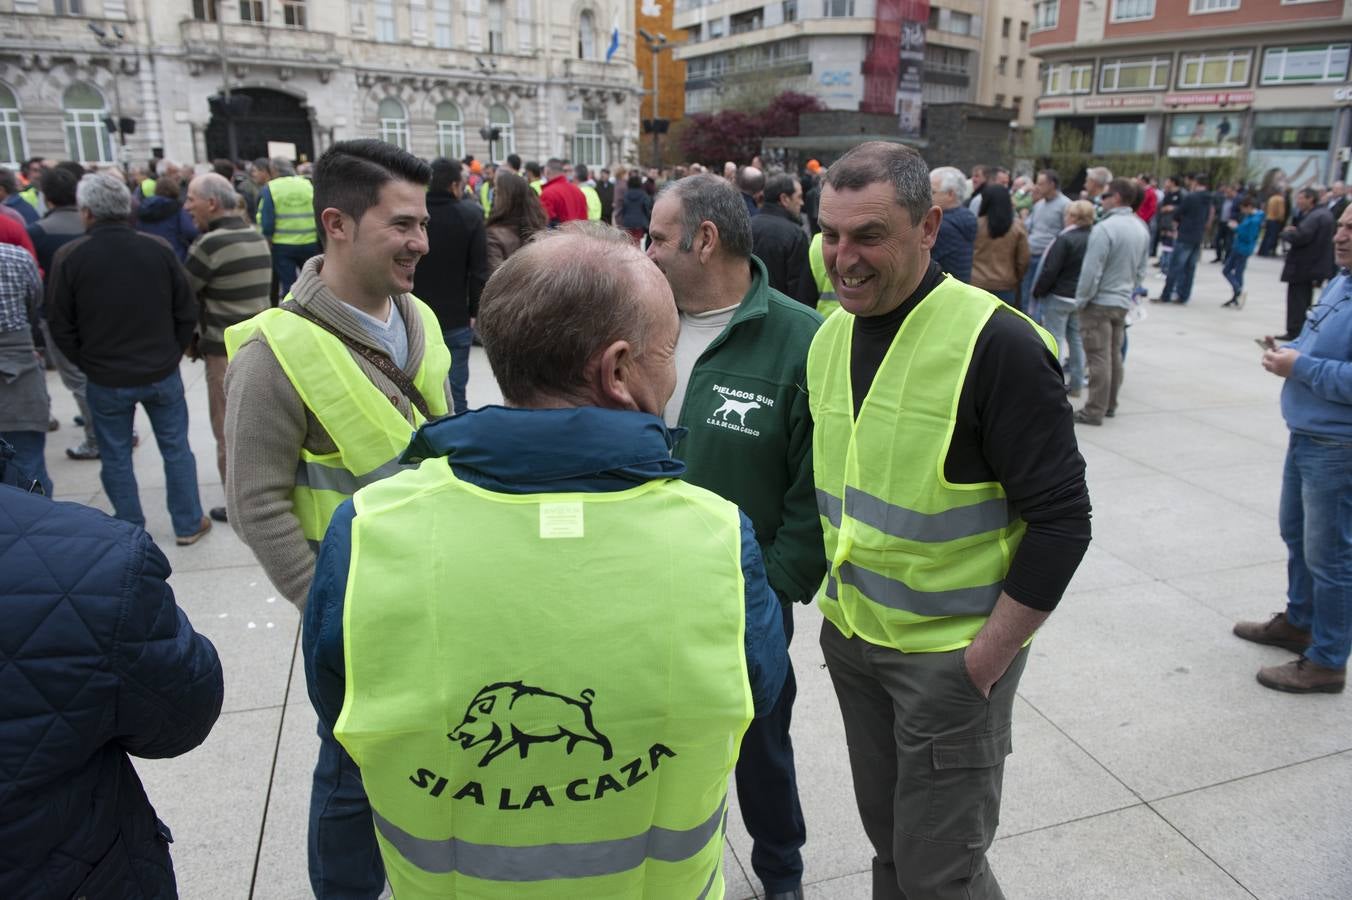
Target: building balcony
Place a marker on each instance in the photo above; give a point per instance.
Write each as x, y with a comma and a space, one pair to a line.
259, 43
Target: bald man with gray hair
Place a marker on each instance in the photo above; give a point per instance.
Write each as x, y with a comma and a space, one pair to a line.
230, 271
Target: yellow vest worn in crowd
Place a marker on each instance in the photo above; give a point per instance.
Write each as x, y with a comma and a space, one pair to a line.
537, 186
293, 210
147, 187
30, 196
547, 703
486, 196
917, 562
369, 431
593, 202
826, 291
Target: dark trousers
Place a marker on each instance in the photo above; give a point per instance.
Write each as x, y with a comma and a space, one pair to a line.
1224, 238
1299, 296
1270, 231
287, 260
459, 341
767, 790
345, 861
927, 756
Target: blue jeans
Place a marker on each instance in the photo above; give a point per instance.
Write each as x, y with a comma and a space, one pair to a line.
1233, 270
459, 341
767, 790
113, 409
1316, 524
1031, 308
1062, 320
1182, 266
286, 262
345, 861
30, 456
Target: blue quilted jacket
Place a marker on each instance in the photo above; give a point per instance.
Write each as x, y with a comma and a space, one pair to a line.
96, 662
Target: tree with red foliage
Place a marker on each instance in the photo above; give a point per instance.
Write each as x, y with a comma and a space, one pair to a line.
736, 135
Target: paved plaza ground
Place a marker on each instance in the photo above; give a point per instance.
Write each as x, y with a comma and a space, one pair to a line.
1147, 761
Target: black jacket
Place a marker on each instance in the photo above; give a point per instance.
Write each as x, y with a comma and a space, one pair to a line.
1061, 266
636, 208
100, 665
781, 244
606, 191
1310, 257
119, 306
452, 275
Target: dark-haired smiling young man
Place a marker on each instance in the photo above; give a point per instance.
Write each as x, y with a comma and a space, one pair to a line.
316, 408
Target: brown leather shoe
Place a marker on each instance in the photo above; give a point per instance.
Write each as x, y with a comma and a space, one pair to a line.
1276, 632
183, 540
1300, 676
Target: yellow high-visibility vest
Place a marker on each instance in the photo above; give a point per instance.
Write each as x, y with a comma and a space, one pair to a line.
545, 693
917, 562
370, 433
826, 291
293, 210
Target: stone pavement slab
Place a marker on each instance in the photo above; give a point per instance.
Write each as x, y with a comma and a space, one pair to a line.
1147, 761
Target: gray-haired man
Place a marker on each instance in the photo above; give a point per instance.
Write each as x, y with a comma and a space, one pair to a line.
121, 310
230, 270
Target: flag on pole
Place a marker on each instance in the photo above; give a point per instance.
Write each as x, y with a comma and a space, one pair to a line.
614, 39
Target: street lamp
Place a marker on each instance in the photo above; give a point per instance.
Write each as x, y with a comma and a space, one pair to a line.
123, 125
657, 126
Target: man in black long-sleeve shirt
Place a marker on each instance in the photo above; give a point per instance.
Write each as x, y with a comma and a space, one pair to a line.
120, 308
955, 513
452, 274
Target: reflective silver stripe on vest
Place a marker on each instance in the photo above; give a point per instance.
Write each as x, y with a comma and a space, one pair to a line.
546, 862
973, 601
327, 478
828, 505
934, 528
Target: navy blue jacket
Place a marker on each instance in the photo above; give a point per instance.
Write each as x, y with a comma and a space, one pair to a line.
582, 450
96, 662
953, 247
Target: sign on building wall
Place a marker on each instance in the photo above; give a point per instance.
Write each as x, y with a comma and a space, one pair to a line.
1205, 134
911, 77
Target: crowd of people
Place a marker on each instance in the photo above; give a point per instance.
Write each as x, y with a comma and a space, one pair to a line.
513, 616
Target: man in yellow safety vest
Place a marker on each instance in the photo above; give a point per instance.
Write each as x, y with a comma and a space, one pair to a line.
954, 510
286, 216
541, 647
323, 394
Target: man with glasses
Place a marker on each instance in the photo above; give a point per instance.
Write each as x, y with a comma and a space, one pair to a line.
1316, 506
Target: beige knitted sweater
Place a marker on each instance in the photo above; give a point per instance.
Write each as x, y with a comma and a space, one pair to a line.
266, 425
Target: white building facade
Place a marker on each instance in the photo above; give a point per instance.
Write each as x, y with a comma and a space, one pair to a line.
424, 74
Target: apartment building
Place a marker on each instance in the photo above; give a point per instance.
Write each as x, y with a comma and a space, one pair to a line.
424, 74
975, 51
1264, 81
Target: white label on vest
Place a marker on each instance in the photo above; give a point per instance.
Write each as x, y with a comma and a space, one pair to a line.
561, 520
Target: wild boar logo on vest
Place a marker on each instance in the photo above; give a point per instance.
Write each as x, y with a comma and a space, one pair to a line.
511, 714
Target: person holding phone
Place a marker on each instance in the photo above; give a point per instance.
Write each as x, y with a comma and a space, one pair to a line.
1316, 504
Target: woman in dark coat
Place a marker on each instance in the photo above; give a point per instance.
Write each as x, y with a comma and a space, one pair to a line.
636, 209
164, 215
1054, 289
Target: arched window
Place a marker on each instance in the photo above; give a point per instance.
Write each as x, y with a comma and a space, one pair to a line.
589, 144
586, 35
450, 131
500, 117
393, 123
13, 148
87, 138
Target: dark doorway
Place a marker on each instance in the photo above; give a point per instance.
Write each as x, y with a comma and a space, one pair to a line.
273, 116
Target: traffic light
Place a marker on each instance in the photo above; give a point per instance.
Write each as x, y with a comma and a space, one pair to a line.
490, 134
238, 106
123, 125
656, 126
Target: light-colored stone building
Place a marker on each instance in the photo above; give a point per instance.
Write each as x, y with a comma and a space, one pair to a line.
976, 51
425, 74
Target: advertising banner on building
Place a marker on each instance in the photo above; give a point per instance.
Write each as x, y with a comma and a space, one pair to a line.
1205, 134
883, 61
914, 15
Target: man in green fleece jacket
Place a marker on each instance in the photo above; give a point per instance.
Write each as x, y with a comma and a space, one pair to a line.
741, 369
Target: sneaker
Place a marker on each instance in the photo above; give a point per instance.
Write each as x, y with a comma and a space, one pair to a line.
1110, 414
1082, 418
184, 540
1276, 632
79, 421
85, 450
53, 423
1240, 298
1231, 302
218, 513
1300, 676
